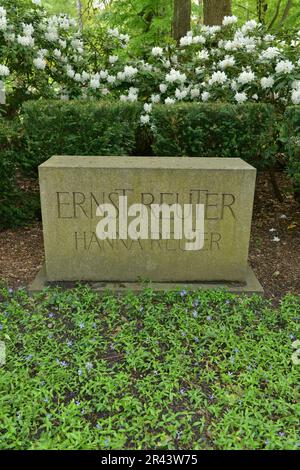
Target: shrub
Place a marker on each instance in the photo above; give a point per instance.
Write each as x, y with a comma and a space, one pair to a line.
216, 130
77, 128
290, 135
16, 207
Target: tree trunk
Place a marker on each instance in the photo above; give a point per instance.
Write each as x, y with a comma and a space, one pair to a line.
79, 13
182, 18
215, 10
286, 11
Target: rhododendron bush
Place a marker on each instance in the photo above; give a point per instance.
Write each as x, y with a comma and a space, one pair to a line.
48, 56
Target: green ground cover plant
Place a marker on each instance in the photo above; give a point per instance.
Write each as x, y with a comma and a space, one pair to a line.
176, 370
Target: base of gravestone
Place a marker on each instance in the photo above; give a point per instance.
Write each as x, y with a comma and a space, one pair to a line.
251, 286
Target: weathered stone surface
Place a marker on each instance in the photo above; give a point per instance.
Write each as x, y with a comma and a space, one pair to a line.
73, 187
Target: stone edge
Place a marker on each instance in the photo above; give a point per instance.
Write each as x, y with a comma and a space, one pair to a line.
251, 286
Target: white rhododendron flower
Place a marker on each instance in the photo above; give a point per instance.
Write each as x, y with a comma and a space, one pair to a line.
186, 41
39, 63
181, 94
169, 101
113, 59
130, 71
147, 107
246, 77
3, 23
249, 26
199, 40
195, 93
145, 119
203, 55
284, 66
205, 96
4, 71
218, 77
57, 53
240, 97
25, 40
175, 76
267, 82
155, 99
229, 61
229, 20
157, 51
296, 96
270, 53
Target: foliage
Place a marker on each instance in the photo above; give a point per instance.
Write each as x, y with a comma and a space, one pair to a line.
179, 370
216, 130
76, 128
290, 135
16, 208
49, 57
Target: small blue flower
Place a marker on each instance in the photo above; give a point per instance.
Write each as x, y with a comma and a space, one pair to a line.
81, 325
79, 372
209, 318
64, 364
69, 342
195, 314
183, 293
211, 397
292, 337
196, 339
1, 326
281, 434
77, 402
98, 426
94, 325
267, 441
10, 290
51, 315
89, 366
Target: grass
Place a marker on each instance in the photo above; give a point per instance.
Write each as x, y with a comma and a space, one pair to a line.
181, 370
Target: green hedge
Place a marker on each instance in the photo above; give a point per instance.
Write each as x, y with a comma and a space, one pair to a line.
290, 135
248, 131
77, 128
216, 130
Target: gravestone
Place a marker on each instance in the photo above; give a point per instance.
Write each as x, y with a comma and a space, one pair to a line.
73, 187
